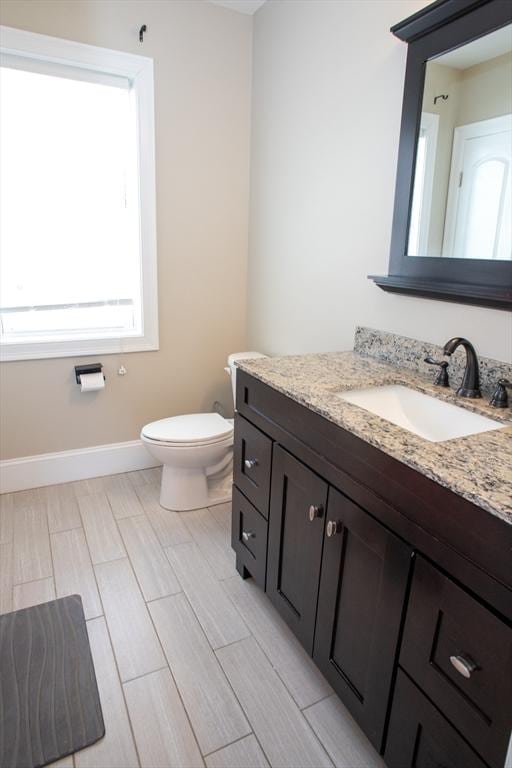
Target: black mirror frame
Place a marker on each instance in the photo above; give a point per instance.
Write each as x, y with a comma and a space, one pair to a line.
440, 27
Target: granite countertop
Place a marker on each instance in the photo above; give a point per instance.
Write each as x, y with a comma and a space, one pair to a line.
478, 467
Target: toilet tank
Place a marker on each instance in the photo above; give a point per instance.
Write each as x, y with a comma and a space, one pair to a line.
231, 367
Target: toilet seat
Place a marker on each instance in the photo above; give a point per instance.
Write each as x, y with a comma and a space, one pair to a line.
194, 429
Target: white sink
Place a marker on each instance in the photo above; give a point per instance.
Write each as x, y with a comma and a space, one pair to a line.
426, 416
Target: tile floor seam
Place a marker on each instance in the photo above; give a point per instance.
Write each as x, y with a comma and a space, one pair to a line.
240, 738
224, 592
315, 735
133, 567
31, 508
54, 585
164, 547
314, 703
129, 719
309, 727
185, 710
182, 544
276, 669
168, 666
66, 530
246, 714
51, 557
198, 544
288, 691
144, 674
147, 611
253, 733
104, 616
221, 669
214, 650
117, 528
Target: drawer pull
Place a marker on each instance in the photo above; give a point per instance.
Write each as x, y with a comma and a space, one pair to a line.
250, 463
333, 527
464, 665
314, 512
246, 535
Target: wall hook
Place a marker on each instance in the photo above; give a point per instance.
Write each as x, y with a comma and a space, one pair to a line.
443, 96
141, 33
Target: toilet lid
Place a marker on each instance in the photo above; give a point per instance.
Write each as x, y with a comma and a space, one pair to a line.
191, 428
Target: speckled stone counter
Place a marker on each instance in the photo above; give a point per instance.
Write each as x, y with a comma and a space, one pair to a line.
478, 467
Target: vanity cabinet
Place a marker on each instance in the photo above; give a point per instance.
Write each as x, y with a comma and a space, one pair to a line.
382, 576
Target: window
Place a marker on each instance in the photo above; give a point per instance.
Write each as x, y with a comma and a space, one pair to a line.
419, 225
77, 199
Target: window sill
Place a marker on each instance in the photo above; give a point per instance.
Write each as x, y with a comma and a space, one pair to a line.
82, 348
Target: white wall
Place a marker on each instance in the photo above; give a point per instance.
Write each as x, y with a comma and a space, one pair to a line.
202, 56
327, 94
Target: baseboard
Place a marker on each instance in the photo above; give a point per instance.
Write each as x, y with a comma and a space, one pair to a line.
66, 466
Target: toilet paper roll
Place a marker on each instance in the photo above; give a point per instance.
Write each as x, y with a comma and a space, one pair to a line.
91, 381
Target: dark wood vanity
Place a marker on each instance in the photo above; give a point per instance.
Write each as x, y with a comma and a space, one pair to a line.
400, 589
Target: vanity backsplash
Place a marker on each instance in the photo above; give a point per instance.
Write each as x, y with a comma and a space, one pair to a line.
410, 353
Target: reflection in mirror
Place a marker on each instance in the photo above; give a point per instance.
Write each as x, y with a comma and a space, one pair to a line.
462, 194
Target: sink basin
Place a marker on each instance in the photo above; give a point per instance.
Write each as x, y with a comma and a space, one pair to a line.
426, 416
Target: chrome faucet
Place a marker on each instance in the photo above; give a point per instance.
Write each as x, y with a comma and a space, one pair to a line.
470, 386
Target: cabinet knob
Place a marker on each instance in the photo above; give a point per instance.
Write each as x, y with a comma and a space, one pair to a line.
246, 535
250, 463
315, 511
333, 527
464, 665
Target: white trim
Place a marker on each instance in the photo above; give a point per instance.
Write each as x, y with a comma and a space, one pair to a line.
84, 348
423, 187
139, 70
20, 42
430, 126
45, 67
80, 464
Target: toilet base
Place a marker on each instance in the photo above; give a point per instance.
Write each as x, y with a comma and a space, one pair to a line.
186, 489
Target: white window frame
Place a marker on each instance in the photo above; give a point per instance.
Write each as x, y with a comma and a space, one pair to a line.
139, 70
429, 126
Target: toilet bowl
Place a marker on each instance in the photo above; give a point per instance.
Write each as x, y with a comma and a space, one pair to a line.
196, 451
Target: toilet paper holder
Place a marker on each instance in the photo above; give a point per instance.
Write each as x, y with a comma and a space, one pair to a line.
90, 368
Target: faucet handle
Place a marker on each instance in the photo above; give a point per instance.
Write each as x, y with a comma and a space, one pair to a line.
441, 379
499, 398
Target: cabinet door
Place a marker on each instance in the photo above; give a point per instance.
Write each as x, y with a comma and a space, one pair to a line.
362, 592
297, 515
420, 737
460, 654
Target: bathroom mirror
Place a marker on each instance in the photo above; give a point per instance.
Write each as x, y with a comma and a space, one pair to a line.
452, 224
462, 193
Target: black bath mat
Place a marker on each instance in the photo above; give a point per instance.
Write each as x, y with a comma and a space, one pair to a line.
49, 702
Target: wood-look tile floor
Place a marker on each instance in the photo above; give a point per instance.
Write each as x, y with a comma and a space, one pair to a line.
194, 666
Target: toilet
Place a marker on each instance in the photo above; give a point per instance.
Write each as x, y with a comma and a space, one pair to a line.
196, 451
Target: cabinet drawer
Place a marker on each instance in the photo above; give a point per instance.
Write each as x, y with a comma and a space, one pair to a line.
420, 737
460, 654
249, 538
252, 463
